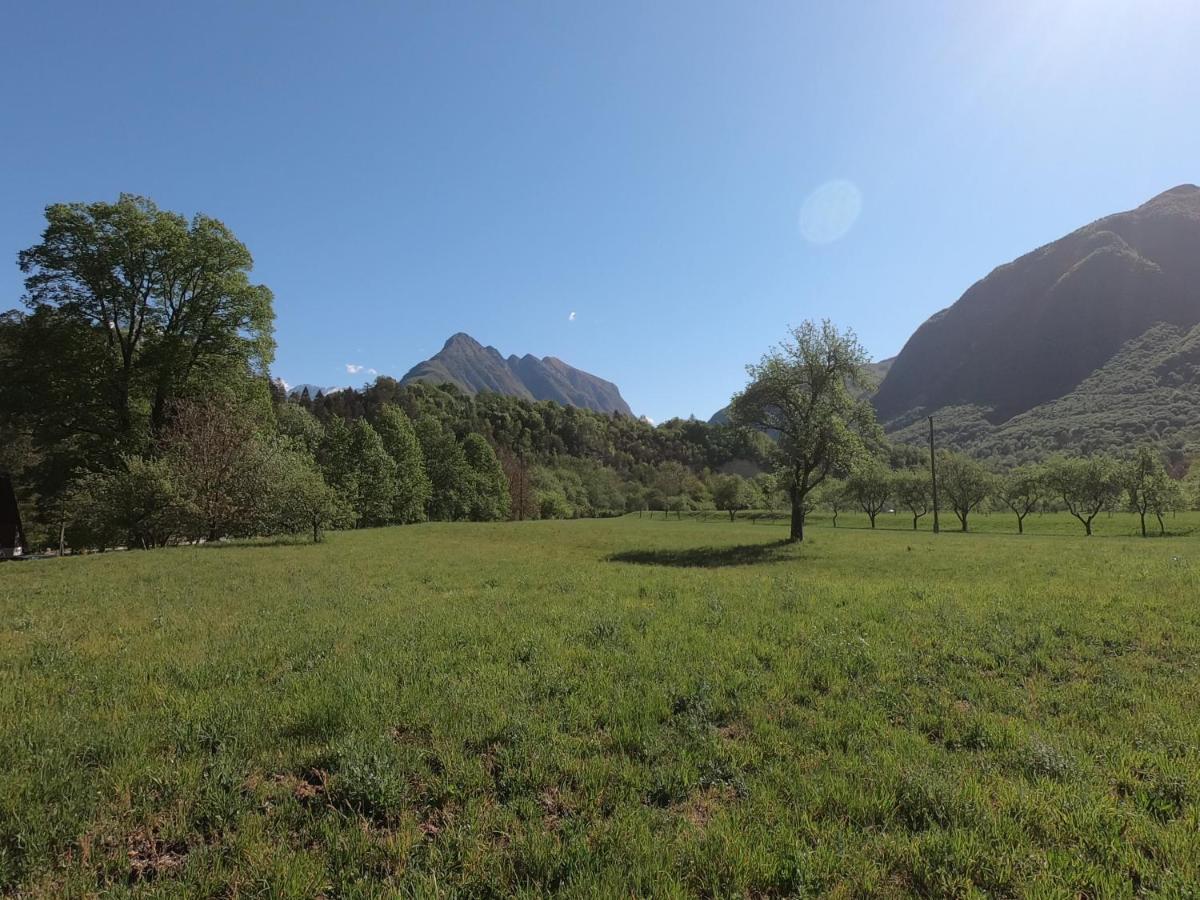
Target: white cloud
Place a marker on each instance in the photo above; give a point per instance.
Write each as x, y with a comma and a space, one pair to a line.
286, 386
571, 317
352, 369
372, 372
648, 420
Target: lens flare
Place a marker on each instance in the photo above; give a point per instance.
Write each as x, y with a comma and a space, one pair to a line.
830, 211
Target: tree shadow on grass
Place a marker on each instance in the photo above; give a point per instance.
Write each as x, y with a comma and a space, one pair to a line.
706, 557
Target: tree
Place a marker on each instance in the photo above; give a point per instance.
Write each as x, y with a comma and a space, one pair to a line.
1021, 490
732, 493
412, 485
832, 495
809, 392
1148, 486
300, 500
870, 484
449, 474
1087, 486
489, 499
913, 491
166, 304
375, 475
137, 504
218, 462
964, 483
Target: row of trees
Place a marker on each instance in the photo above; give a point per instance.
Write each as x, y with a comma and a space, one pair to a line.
1084, 487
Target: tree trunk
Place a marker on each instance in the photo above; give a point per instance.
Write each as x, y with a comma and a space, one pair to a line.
731, 514
797, 530
915, 517
1143, 516
1020, 524
1087, 527
963, 518
1162, 529
871, 516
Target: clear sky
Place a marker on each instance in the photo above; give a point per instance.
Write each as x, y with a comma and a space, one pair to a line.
650, 191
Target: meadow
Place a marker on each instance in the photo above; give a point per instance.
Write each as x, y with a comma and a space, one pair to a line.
626, 707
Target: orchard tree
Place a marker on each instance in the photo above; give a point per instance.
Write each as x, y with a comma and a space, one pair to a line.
1148, 487
412, 485
1021, 490
913, 491
833, 495
870, 484
809, 393
731, 493
1087, 486
964, 483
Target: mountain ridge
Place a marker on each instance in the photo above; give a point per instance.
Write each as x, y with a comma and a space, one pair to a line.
1036, 328
474, 368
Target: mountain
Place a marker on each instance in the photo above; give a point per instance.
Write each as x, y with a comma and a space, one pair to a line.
1148, 392
1044, 328
296, 390
473, 368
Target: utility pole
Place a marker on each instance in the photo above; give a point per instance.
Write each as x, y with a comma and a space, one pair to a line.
933, 476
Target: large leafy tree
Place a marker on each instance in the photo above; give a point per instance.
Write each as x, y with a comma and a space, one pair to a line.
412, 485
144, 308
489, 498
809, 392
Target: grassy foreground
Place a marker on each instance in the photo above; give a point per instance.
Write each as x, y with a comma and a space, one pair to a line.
602, 708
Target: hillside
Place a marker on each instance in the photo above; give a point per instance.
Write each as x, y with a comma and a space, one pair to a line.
1148, 391
473, 368
1032, 349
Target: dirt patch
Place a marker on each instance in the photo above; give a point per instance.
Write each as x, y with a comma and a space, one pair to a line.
700, 808
151, 857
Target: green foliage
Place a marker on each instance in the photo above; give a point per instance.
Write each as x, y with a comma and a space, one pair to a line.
1087, 486
913, 490
375, 475
1021, 490
732, 493
807, 393
964, 483
1149, 488
487, 488
412, 486
870, 486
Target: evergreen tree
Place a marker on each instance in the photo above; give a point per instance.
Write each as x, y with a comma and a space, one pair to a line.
412, 485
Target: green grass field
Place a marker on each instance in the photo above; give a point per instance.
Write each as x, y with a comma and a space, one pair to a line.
628, 707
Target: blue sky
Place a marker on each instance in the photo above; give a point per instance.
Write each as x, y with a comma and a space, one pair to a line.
686, 178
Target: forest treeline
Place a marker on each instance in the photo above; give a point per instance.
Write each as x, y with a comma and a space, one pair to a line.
138, 410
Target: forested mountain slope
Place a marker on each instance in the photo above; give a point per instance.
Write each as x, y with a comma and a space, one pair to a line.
1035, 330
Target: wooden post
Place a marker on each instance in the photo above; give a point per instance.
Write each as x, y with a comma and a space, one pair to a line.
933, 476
